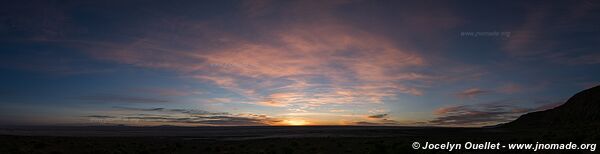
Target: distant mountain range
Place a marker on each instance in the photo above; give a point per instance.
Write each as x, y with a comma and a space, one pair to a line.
581, 110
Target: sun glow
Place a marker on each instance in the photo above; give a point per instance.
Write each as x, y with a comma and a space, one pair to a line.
296, 122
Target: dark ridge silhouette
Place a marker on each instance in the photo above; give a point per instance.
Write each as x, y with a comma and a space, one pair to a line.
581, 110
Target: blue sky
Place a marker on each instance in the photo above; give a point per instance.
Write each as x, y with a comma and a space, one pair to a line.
196, 63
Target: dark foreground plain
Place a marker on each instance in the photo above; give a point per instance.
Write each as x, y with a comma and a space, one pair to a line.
289, 140
576, 121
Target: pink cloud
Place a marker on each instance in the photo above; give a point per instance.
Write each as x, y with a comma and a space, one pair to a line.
472, 92
446, 110
272, 103
361, 66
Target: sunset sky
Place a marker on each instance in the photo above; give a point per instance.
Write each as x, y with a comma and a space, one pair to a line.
263, 62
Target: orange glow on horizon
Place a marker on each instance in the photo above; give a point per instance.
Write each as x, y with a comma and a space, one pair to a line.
295, 122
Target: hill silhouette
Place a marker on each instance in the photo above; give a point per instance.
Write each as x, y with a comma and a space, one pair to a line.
581, 110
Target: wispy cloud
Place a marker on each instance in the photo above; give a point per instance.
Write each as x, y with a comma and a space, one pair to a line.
99, 116
481, 114
476, 115
160, 116
320, 61
380, 122
378, 116
295, 58
472, 92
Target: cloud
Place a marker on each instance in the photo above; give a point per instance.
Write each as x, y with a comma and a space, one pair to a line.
212, 120
99, 116
322, 60
311, 57
138, 109
476, 115
161, 116
337, 110
113, 98
182, 111
272, 103
366, 123
378, 116
380, 122
472, 92
282, 99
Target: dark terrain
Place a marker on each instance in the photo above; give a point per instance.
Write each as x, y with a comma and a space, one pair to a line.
575, 121
581, 110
